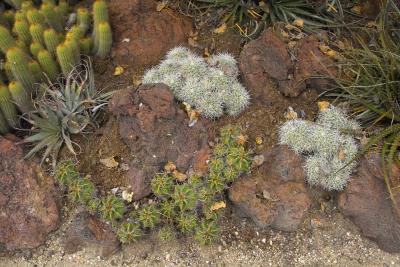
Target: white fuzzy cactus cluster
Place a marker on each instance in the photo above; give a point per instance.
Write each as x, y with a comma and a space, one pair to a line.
328, 145
211, 87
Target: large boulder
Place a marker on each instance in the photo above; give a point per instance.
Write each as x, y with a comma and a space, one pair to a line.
156, 131
275, 196
367, 203
142, 34
28, 208
266, 65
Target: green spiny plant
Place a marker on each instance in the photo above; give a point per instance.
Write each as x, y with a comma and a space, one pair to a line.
21, 29
8, 15
112, 208
21, 96
186, 222
184, 197
129, 232
238, 158
62, 8
7, 107
86, 45
51, 40
51, 16
36, 70
80, 190
167, 210
19, 15
100, 13
83, 19
206, 232
34, 48
216, 182
15, 3
149, 216
20, 68
37, 31
94, 205
6, 40
35, 16
48, 64
103, 39
66, 58
162, 185
166, 233
66, 172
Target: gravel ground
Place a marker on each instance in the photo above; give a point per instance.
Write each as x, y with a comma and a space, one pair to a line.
323, 240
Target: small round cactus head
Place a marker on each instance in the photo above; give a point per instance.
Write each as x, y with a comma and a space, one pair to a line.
129, 232
149, 216
336, 118
225, 62
206, 232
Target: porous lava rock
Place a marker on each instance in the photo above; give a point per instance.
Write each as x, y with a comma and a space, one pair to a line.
28, 206
156, 130
275, 195
142, 35
266, 65
366, 202
88, 230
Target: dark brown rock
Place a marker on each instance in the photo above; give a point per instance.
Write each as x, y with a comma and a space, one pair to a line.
151, 33
28, 208
266, 65
367, 203
276, 195
87, 230
156, 131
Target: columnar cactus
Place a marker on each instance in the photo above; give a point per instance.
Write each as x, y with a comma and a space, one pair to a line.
51, 16
35, 16
20, 96
3, 125
51, 40
21, 29
6, 40
328, 145
48, 64
7, 107
83, 19
20, 68
104, 39
211, 88
36, 31
35, 47
66, 57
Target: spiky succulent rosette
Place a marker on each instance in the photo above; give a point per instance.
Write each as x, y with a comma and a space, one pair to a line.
211, 87
327, 144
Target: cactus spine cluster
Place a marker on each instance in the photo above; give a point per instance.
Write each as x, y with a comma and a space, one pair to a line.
328, 146
211, 87
37, 46
190, 206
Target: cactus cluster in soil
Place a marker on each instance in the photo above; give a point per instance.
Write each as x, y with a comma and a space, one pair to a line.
211, 86
189, 206
327, 144
38, 45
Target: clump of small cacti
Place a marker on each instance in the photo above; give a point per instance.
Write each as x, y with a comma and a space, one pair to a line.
191, 205
211, 88
28, 28
328, 145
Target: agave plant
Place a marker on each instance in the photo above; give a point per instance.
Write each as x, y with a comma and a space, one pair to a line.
252, 15
370, 83
66, 108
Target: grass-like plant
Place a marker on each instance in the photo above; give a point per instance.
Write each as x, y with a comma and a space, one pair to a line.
251, 16
370, 83
65, 109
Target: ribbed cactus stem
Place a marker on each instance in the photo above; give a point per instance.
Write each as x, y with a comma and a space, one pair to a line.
6, 40
75, 33
62, 8
3, 125
15, 3
21, 29
9, 16
19, 15
8, 71
7, 107
83, 19
36, 31
34, 16
86, 45
104, 39
48, 64
51, 16
26, 5
66, 58
100, 12
20, 68
36, 70
52, 40
35, 48
20, 96
75, 48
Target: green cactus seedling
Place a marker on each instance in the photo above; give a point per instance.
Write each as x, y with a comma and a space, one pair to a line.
186, 222
206, 232
129, 232
239, 159
7, 107
81, 190
184, 197
66, 172
112, 208
167, 210
162, 185
166, 233
149, 216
